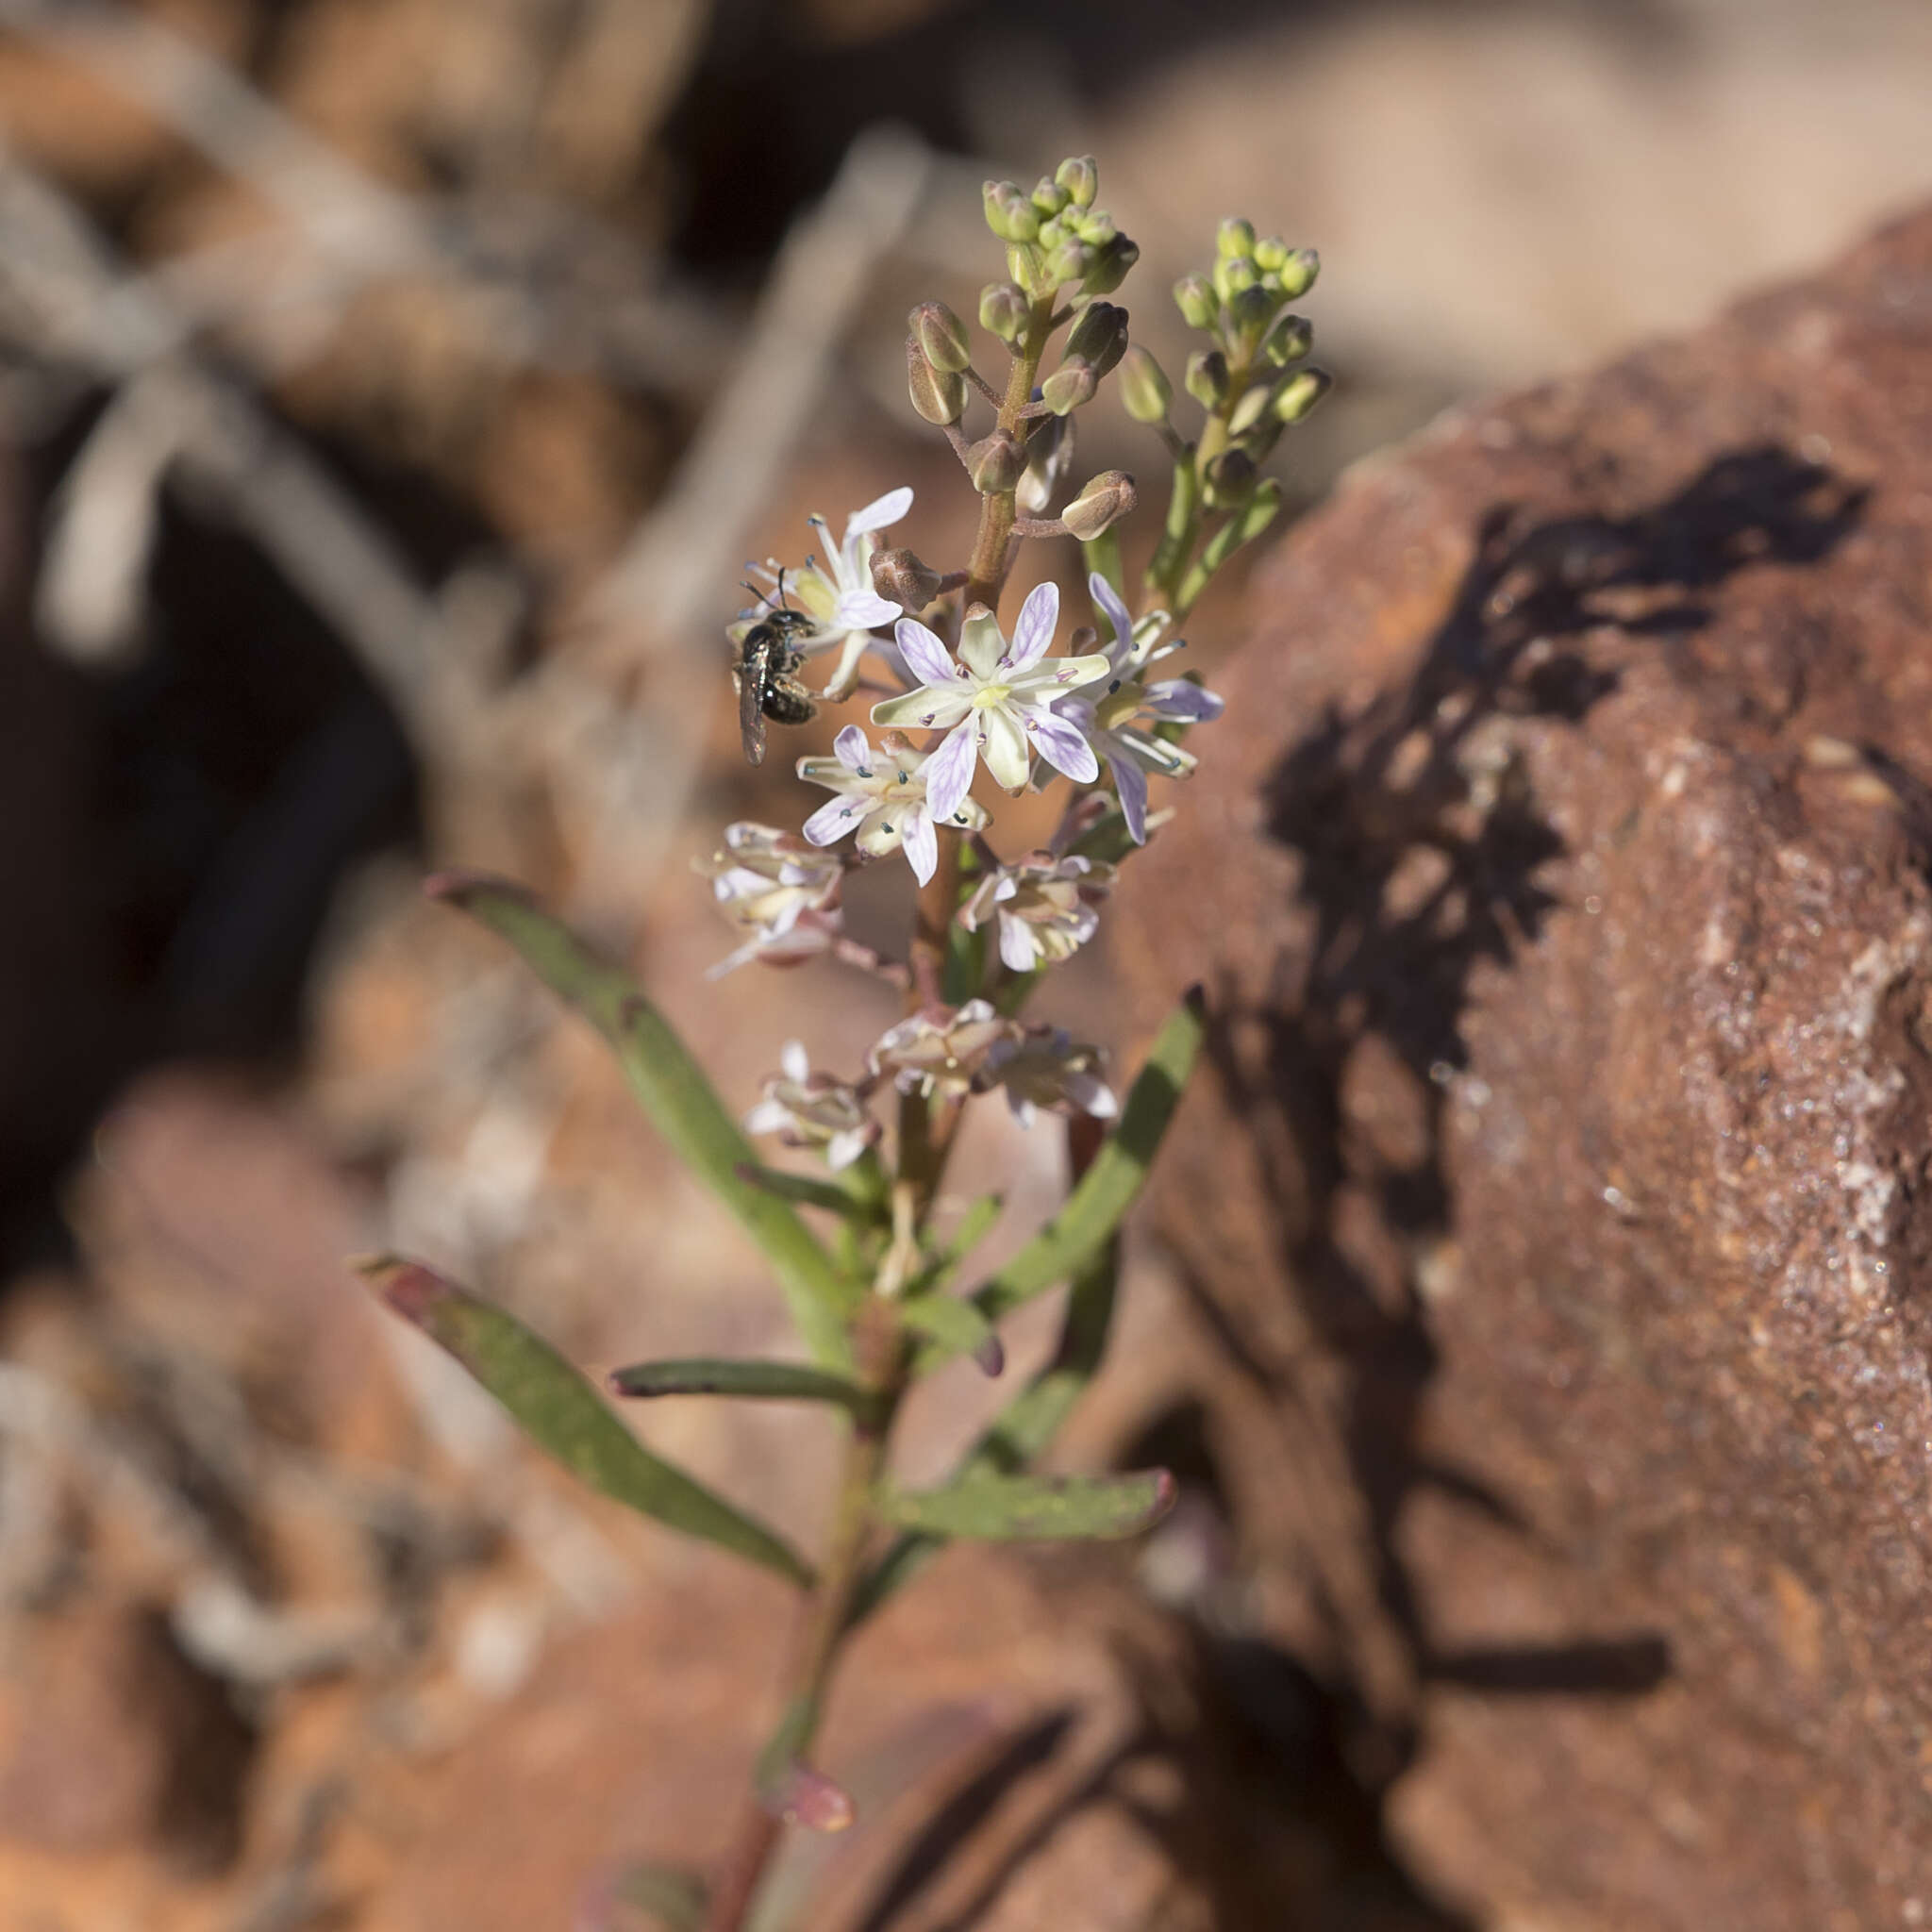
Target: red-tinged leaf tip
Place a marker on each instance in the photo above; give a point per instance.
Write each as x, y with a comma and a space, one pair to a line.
1166, 1492
459, 882
989, 1357
410, 1289
1195, 999
810, 1798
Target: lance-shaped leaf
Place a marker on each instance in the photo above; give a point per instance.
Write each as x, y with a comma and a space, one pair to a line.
757, 1381
559, 1411
1095, 1210
807, 1191
951, 1326
674, 1091
1004, 1508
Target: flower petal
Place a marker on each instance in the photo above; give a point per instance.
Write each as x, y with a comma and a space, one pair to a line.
922, 844
1033, 633
880, 513
1003, 744
861, 608
1130, 781
982, 643
949, 771
1060, 744
931, 662
835, 818
794, 1062
1050, 676
935, 709
1107, 599
841, 1149
853, 750
1178, 698
1017, 946
879, 835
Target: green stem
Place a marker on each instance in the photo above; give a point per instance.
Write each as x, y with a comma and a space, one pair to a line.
987, 570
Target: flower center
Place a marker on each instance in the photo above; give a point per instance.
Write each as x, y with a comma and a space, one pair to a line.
989, 695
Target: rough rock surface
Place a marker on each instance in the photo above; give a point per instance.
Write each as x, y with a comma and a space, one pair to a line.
1559, 1194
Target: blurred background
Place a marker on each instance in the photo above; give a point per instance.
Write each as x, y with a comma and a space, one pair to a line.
390, 391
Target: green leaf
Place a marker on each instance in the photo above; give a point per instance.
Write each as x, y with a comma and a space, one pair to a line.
559, 1410
674, 1091
955, 1327
807, 1191
1095, 1207
1004, 1508
759, 1381
675, 1897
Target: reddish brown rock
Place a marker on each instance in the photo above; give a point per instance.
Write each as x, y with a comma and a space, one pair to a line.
1560, 1184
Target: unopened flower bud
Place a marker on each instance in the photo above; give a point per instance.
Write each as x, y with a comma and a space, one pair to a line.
1249, 312
1300, 393
1249, 411
1069, 385
1105, 501
1008, 213
1236, 236
1004, 311
1068, 262
1270, 254
1230, 479
1100, 336
1079, 174
1291, 339
1092, 225
942, 334
938, 394
1260, 510
1113, 259
1145, 387
994, 463
1298, 272
1233, 273
901, 578
1049, 197
1199, 305
1207, 377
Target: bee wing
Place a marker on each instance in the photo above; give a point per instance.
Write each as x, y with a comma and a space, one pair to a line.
751, 713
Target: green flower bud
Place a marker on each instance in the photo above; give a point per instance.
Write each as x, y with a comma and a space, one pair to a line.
901, 578
1300, 393
942, 336
1250, 410
1230, 479
1199, 305
1207, 377
1298, 273
1100, 336
1049, 197
1069, 385
1261, 509
1004, 311
1068, 262
1249, 314
1145, 387
938, 394
1233, 273
1115, 259
1092, 224
1079, 174
1269, 255
1008, 213
1291, 339
1105, 501
995, 462
1236, 236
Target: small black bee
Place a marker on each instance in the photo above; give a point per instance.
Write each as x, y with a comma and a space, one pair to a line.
764, 672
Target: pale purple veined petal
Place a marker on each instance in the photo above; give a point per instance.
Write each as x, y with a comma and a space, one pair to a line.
835, 818
1003, 744
794, 1062
1051, 678
854, 751
860, 608
949, 771
933, 710
1033, 633
1016, 945
1061, 746
879, 514
1130, 781
931, 662
922, 844
1179, 699
1107, 599
982, 644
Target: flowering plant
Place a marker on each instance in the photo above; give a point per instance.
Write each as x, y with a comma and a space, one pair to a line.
875, 1300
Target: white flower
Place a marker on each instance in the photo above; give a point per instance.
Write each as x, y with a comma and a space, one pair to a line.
1045, 906
994, 701
941, 1052
1107, 711
807, 1110
882, 793
782, 893
1044, 1068
837, 595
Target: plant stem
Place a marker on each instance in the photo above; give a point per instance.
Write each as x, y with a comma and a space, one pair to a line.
987, 570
